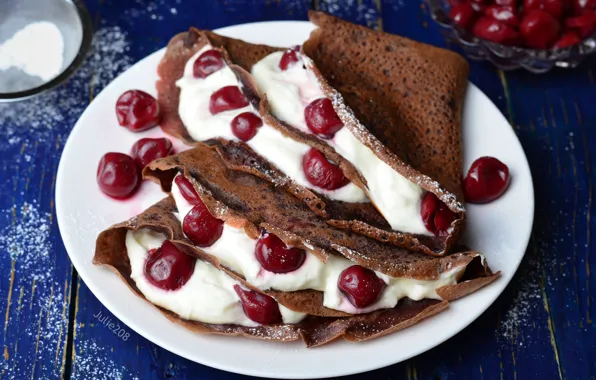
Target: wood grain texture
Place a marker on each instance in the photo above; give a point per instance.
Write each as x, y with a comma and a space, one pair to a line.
541, 327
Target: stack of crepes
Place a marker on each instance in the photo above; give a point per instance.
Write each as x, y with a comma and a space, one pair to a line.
396, 140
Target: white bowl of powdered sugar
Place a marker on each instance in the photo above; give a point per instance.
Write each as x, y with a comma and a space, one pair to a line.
41, 44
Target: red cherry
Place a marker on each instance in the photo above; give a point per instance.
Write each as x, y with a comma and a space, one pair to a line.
463, 15
146, 150
486, 181
436, 216
187, 189
553, 7
245, 125
289, 58
480, 5
277, 257
202, 228
580, 5
540, 29
207, 63
117, 175
361, 286
168, 268
505, 14
569, 38
495, 31
259, 307
227, 98
137, 110
322, 173
584, 24
321, 118
454, 3
509, 3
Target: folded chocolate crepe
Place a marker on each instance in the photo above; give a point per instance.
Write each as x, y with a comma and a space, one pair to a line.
111, 251
245, 200
413, 125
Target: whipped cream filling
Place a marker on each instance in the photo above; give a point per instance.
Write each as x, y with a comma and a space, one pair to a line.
236, 251
285, 153
208, 296
290, 91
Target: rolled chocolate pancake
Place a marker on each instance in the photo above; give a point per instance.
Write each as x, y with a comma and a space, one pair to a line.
362, 218
253, 202
111, 251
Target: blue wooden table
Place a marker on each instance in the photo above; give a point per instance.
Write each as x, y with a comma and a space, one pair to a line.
541, 327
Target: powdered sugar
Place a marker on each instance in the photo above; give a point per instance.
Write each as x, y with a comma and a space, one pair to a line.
37, 49
26, 240
90, 363
526, 300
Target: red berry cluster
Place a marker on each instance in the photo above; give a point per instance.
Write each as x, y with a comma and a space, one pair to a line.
536, 24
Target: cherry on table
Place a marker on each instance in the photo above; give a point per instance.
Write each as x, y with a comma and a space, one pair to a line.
276, 256
436, 216
187, 190
202, 228
117, 175
486, 181
169, 268
505, 14
361, 286
245, 125
322, 173
463, 15
227, 98
258, 307
137, 110
321, 118
146, 150
289, 58
207, 63
540, 29
495, 31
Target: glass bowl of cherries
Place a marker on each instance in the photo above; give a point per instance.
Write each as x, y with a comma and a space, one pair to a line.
536, 35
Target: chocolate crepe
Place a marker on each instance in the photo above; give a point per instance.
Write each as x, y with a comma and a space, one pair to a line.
360, 218
254, 203
314, 331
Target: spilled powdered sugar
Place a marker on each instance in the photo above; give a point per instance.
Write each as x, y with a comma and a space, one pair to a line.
37, 322
90, 363
521, 310
27, 239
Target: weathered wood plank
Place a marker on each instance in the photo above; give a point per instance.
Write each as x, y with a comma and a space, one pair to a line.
540, 327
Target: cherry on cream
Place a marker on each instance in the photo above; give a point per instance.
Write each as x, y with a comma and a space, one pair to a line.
259, 307
277, 257
207, 63
169, 268
202, 228
361, 286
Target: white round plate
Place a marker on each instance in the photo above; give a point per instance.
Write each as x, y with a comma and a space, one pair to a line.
500, 229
